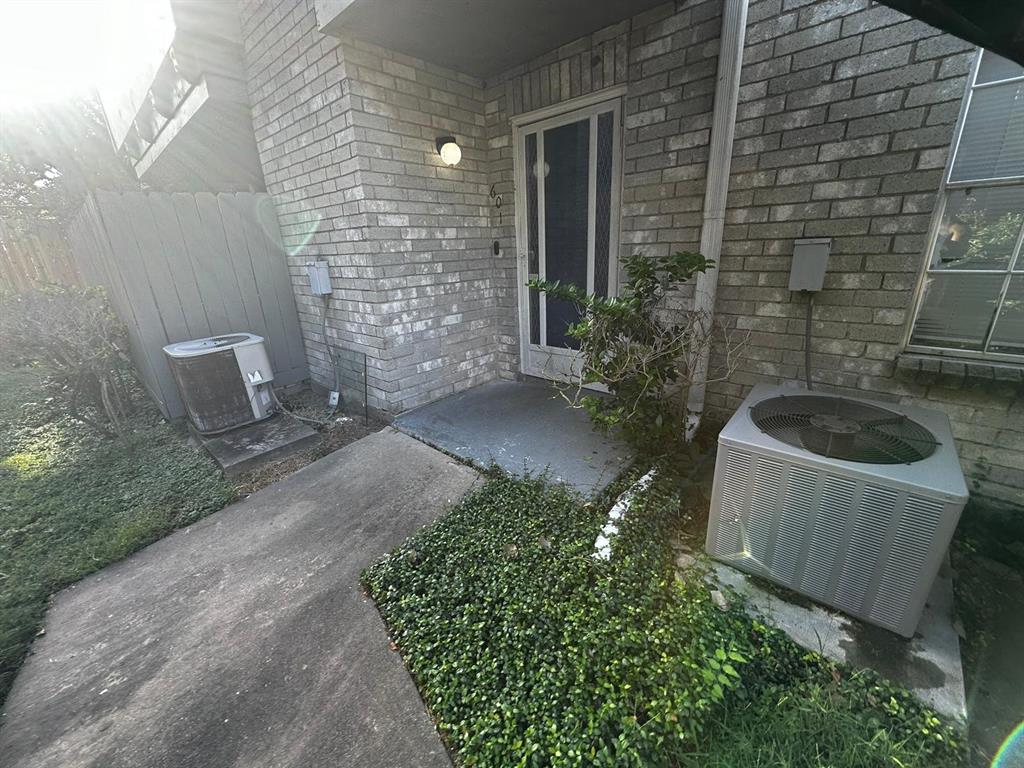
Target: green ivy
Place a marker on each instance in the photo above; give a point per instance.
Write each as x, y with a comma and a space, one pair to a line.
530, 652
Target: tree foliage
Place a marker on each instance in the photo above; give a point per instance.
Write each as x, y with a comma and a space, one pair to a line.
73, 334
51, 156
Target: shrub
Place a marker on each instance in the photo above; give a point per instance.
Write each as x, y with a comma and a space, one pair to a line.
77, 339
642, 352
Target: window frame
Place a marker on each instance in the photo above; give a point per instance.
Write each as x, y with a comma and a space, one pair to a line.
1015, 264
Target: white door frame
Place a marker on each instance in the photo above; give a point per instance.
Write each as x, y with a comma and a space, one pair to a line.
536, 359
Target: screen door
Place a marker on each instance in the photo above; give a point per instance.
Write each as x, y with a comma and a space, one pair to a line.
568, 169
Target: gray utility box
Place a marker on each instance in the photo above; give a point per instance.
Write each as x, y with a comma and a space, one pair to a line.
810, 258
319, 278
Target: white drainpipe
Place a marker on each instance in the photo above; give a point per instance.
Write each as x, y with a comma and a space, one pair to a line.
723, 129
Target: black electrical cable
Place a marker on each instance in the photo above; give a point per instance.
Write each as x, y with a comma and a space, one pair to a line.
807, 340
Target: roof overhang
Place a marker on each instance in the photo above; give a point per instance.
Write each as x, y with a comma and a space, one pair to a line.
481, 38
996, 25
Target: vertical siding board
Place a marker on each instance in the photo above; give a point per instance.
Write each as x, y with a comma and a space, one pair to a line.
198, 255
149, 336
237, 251
168, 229
139, 216
219, 262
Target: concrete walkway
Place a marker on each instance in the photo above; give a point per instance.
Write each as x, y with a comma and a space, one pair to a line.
244, 640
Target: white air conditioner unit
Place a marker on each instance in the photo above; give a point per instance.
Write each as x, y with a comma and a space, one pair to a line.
224, 381
849, 502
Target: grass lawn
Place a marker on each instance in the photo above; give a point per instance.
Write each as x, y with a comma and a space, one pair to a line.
528, 652
72, 501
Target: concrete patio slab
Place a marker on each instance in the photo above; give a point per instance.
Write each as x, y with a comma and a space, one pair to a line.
522, 426
246, 639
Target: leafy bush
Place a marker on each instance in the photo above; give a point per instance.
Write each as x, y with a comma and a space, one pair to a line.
78, 340
529, 652
642, 352
71, 502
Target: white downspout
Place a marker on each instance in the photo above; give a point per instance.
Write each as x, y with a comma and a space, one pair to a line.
723, 130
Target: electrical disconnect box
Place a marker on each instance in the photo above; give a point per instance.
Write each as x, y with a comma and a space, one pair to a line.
810, 257
319, 278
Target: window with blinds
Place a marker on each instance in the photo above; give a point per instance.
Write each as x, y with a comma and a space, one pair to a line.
972, 303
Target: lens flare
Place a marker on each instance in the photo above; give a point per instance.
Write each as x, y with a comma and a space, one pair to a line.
1011, 752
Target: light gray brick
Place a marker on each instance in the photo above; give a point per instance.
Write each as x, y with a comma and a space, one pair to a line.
846, 189
807, 38
898, 34
862, 147
914, 74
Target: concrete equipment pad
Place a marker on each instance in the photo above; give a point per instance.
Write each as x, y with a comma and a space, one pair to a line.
928, 664
245, 640
522, 426
246, 448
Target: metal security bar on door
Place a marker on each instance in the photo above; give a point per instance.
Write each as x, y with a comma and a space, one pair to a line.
571, 166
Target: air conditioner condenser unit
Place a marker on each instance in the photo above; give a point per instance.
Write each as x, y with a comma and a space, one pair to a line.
849, 502
224, 381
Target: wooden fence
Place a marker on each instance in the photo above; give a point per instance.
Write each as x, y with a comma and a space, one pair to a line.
33, 252
184, 266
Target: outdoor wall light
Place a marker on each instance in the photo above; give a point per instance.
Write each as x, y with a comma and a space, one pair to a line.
449, 151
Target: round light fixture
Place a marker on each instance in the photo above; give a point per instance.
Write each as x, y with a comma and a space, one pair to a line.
449, 151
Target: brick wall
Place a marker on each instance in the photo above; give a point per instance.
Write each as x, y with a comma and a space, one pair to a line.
435, 272
306, 140
847, 111
346, 133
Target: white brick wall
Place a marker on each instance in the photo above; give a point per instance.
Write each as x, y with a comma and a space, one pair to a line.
346, 133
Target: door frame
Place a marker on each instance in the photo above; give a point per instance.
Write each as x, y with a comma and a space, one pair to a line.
539, 120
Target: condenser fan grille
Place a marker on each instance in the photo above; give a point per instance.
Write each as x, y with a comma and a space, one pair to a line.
844, 429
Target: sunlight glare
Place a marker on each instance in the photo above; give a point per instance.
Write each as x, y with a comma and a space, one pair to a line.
52, 50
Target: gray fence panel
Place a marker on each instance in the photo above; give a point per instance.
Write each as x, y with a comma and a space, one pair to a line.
179, 266
158, 271
168, 229
33, 252
150, 335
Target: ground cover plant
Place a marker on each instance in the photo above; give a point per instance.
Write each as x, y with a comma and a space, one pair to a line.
529, 652
73, 500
